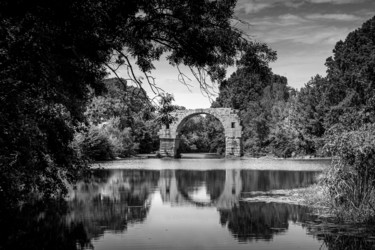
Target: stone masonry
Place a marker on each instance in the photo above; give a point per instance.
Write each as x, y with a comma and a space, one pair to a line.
169, 137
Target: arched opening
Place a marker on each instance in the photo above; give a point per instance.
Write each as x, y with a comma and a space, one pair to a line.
202, 134
229, 119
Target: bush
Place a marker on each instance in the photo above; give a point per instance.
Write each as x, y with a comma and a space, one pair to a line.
105, 141
283, 143
95, 145
351, 177
121, 139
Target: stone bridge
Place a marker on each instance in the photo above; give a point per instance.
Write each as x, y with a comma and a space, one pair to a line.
170, 136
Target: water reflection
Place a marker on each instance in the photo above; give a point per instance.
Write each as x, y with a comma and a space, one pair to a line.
226, 187
269, 180
42, 226
260, 220
110, 201
114, 202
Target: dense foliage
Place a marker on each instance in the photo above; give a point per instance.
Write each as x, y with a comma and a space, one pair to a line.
121, 122
53, 52
202, 134
344, 100
281, 121
349, 123
351, 178
262, 98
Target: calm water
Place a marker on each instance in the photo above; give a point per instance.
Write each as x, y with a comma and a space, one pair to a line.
180, 204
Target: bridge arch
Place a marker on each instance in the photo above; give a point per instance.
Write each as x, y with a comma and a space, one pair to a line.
225, 194
212, 180
169, 137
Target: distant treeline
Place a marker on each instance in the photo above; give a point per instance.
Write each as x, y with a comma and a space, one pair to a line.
285, 122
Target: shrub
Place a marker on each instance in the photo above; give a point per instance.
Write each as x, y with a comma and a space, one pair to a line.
105, 141
351, 177
282, 144
121, 139
96, 145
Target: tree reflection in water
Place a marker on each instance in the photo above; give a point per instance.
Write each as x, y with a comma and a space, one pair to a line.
42, 226
107, 201
264, 180
262, 221
111, 200
259, 220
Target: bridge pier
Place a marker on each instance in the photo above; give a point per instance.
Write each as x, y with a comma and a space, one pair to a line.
233, 146
168, 147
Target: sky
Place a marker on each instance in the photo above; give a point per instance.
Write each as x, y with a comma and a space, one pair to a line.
302, 32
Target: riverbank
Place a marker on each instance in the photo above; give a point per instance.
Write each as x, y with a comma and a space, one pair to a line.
217, 156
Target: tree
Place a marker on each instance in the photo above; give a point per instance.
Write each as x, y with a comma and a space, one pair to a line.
260, 96
308, 115
123, 116
119, 100
348, 93
345, 98
53, 51
351, 78
165, 108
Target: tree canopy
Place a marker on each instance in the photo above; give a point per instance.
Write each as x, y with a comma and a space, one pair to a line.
351, 78
286, 122
52, 53
260, 96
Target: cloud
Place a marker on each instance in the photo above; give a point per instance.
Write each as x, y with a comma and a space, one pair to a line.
310, 29
292, 4
289, 19
270, 23
253, 6
337, 1
338, 17
308, 34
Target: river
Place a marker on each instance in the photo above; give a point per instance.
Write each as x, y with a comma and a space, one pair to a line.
189, 203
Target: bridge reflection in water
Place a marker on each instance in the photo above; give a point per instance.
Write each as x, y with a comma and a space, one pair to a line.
116, 198
222, 186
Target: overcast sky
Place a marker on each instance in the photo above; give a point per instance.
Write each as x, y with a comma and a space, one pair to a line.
303, 32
